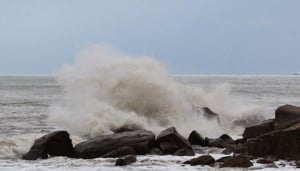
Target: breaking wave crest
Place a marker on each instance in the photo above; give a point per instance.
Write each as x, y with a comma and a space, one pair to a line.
105, 89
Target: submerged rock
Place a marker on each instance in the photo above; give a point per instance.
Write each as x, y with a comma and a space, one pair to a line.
126, 160
171, 142
140, 141
56, 143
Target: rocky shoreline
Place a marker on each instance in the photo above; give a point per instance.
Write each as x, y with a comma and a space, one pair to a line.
266, 142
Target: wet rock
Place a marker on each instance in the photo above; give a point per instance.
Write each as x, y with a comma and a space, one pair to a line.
196, 139
209, 114
126, 160
286, 116
222, 142
237, 161
56, 143
170, 141
141, 141
256, 130
202, 160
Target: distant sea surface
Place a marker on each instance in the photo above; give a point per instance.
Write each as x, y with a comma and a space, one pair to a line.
25, 100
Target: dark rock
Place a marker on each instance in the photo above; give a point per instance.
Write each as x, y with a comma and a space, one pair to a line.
122, 151
156, 151
264, 161
170, 141
237, 161
286, 116
140, 141
256, 130
222, 142
202, 160
284, 144
126, 160
209, 114
196, 139
57, 143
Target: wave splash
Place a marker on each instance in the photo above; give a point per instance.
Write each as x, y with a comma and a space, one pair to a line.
105, 89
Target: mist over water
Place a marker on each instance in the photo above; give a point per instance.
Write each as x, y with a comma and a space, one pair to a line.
105, 89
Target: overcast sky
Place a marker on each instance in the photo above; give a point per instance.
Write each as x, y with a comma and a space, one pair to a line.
188, 36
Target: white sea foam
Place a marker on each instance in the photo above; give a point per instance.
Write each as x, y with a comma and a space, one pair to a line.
105, 89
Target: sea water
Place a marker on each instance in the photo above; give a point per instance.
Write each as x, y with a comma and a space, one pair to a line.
27, 102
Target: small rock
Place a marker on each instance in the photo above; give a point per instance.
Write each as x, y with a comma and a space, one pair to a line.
126, 160
202, 160
237, 161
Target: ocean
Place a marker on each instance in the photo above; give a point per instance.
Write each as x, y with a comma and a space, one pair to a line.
31, 106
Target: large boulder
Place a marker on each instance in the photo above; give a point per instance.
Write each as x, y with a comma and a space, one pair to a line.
286, 116
171, 142
56, 143
282, 143
256, 130
141, 141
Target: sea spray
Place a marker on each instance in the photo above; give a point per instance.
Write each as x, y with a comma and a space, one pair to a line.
105, 89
